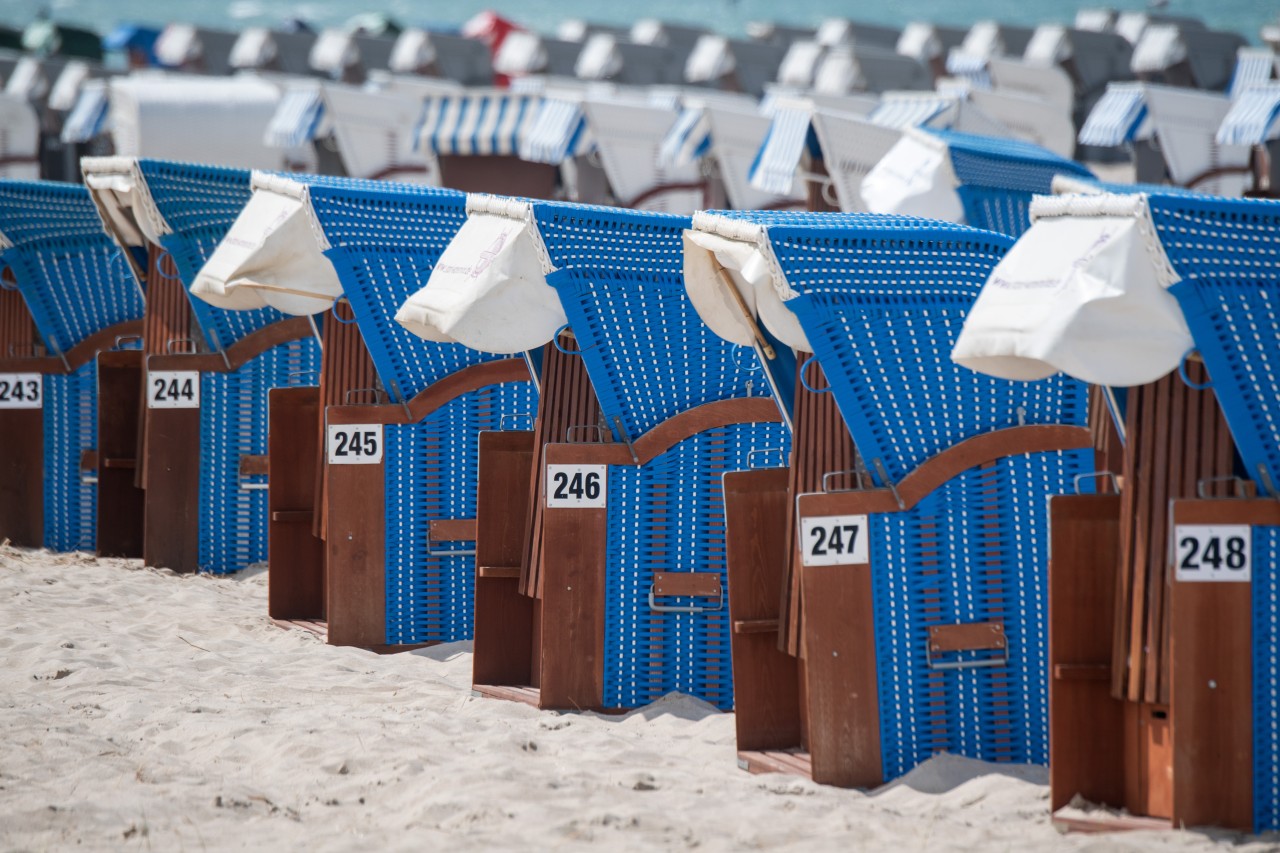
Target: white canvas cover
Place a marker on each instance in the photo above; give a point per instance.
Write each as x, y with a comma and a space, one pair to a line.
914, 179
736, 135
629, 135
743, 250
1084, 291
20, 142
120, 193
376, 135
1186, 122
1030, 118
272, 255
221, 121
489, 289
851, 147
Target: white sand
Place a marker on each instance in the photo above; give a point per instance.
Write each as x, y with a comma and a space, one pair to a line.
141, 710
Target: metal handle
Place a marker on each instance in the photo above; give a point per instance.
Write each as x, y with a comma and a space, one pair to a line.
977, 663
826, 479
599, 430
751, 454
804, 368
333, 309
460, 552
243, 483
346, 398
1201, 485
737, 360
682, 608
87, 479
168, 346
295, 374
124, 339
1096, 475
1182, 372
502, 421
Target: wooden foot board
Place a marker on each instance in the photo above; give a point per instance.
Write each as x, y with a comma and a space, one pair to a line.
527, 695
795, 762
1106, 821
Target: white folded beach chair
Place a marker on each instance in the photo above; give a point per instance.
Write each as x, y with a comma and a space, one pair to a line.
1029, 117
579, 30
525, 53
679, 40
345, 56
869, 68
435, 54
605, 56
790, 150
842, 31
195, 50
1254, 66
1068, 68
1131, 25
1185, 123
375, 134
628, 137
985, 39
781, 35
264, 49
930, 44
1178, 56
733, 65
851, 147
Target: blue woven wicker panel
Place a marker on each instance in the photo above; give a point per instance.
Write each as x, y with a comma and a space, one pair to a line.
1266, 678
1007, 164
882, 306
431, 475
620, 281
70, 428
386, 239
1004, 211
668, 516
1227, 253
972, 551
233, 423
73, 278
200, 203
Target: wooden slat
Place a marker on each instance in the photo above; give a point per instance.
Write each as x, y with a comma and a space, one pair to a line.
120, 501
295, 556
968, 636
171, 477
766, 681
355, 551
345, 365
1086, 724
498, 572
696, 584
453, 529
254, 465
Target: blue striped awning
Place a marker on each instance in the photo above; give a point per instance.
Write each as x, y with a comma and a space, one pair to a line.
688, 140
559, 132
1116, 118
297, 118
1252, 118
88, 117
906, 111
774, 169
1254, 67
477, 123
971, 67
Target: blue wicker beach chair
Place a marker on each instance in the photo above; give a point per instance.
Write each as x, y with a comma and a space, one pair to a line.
916, 594
76, 291
400, 568
627, 563
203, 455
1171, 299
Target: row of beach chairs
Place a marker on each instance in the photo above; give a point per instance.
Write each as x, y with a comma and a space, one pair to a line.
794, 464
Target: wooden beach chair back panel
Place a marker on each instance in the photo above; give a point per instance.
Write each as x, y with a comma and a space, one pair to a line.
567, 411
294, 553
21, 430
121, 505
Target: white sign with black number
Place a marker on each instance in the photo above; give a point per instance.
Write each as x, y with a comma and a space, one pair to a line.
576, 486
1213, 553
355, 444
834, 540
173, 389
21, 391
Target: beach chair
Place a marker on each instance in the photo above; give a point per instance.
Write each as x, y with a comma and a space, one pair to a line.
606, 56
262, 49
600, 533
984, 41
394, 422
958, 177
69, 408
196, 50
206, 372
1150, 649
930, 44
866, 68
348, 57
896, 574
1251, 121
1195, 58
475, 137
733, 65
524, 53
435, 54
842, 31
790, 150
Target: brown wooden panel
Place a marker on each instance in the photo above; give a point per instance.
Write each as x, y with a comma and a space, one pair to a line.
355, 553
966, 637
766, 683
171, 471
1086, 724
840, 660
295, 557
453, 530
1212, 682
696, 584
574, 540
22, 473
502, 175
254, 465
503, 646
345, 367
120, 501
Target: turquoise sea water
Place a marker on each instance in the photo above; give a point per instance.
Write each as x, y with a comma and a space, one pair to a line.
727, 16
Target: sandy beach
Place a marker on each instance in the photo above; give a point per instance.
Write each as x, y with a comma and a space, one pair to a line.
146, 710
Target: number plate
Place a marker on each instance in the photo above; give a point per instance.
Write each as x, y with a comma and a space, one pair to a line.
173, 389
1213, 553
355, 444
834, 540
21, 391
576, 486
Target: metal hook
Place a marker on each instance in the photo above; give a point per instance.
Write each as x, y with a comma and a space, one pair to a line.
333, 309
804, 368
1182, 372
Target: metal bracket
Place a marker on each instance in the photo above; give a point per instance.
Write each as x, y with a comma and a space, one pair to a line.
856, 472
967, 638
502, 421
617, 422
751, 454
884, 475
684, 608
447, 552
243, 483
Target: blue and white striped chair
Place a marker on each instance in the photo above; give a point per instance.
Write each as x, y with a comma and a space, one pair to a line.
938, 639
79, 294
631, 577
179, 210
399, 571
